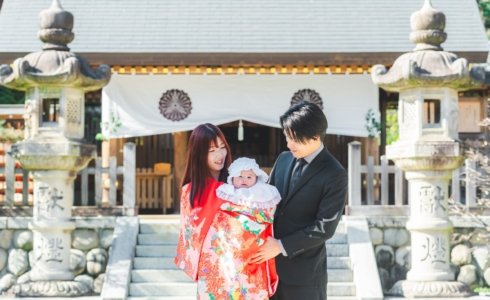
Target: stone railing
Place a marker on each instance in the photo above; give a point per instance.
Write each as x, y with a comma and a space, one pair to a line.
17, 194
382, 189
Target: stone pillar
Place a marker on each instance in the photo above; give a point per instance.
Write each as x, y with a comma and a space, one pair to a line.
428, 167
52, 225
430, 226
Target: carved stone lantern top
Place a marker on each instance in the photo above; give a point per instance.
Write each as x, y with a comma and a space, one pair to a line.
428, 28
56, 25
55, 65
428, 65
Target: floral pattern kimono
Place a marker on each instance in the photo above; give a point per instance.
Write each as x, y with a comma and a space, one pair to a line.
217, 239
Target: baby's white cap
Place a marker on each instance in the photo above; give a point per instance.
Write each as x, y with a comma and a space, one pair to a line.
244, 163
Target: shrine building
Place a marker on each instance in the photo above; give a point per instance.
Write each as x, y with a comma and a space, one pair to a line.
240, 65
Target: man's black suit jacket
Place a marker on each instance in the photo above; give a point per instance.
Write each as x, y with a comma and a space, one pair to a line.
308, 216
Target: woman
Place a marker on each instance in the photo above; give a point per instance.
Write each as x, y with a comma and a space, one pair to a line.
204, 251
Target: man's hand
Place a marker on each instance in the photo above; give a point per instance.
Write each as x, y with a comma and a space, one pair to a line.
270, 250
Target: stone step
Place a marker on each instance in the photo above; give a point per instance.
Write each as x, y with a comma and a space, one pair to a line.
153, 263
337, 250
189, 289
156, 250
163, 289
177, 275
172, 226
338, 238
340, 275
341, 289
159, 226
333, 250
159, 263
338, 263
158, 239
166, 275
173, 238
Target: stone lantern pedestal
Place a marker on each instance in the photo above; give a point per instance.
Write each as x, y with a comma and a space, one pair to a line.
428, 168
53, 200
428, 80
55, 81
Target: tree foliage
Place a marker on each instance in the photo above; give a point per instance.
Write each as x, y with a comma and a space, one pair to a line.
391, 126
484, 6
9, 96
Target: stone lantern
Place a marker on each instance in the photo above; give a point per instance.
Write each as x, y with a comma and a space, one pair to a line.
55, 81
428, 80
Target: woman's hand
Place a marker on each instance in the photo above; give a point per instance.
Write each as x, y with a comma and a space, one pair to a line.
270, 250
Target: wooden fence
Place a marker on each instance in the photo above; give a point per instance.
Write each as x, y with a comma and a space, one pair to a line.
373, 189
141, 187
383, 190
127, 171
153, 190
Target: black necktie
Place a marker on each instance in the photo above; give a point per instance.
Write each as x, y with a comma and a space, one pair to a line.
297, 173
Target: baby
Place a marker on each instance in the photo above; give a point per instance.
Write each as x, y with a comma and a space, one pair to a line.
247, 186
241, 226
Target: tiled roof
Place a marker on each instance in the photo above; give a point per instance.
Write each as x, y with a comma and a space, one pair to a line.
241, 26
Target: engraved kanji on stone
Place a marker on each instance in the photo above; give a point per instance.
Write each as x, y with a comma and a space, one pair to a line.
431, 200
439, 198
48, 198
50, 250
435, 250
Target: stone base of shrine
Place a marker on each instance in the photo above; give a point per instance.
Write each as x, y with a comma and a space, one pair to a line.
49, 289
431, 289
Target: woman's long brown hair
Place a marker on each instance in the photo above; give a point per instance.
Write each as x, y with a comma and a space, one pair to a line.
196, 168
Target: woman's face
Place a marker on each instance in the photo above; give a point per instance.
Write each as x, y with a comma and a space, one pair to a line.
216, 156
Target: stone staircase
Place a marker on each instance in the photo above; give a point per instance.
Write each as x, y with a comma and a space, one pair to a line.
155, 277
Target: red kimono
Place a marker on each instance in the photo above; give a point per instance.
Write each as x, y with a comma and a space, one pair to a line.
216, 242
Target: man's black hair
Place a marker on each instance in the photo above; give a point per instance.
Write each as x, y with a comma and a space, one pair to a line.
304, 121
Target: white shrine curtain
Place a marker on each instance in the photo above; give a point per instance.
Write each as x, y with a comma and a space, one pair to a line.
131, 103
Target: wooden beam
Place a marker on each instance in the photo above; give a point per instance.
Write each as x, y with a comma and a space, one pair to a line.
106, 150
77, 211
378, 169
383, 106
399, 177
470, 169
9, 179
245, 59
377, 210
129, 184
180, 153
98, 181
384, 180
370, 180
354, 173
113, 179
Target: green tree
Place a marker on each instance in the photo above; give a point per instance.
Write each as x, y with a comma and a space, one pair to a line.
9, 96
484, 6
391, 126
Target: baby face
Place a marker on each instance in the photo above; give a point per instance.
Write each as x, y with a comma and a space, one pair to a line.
246, 179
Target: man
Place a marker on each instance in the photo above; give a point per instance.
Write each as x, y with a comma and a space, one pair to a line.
313, 186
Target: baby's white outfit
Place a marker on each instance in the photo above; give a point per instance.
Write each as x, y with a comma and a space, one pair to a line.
260, 195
